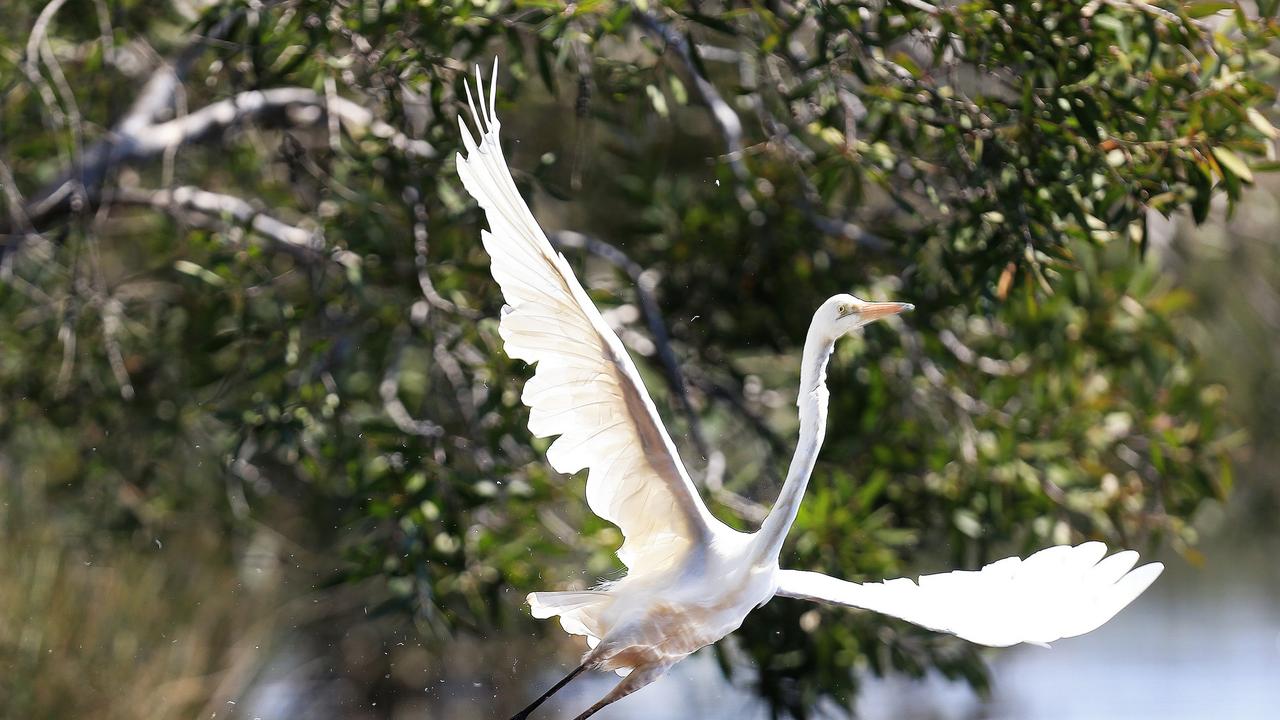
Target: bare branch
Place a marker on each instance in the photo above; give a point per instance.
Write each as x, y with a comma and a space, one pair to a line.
844, 229
798, 155
430, 295
17, 207
31, 63
389, 391
988, 365
722, 114
922, 6
112, 323
308, 244
288, 106
1159, 12
733, 398
158, 94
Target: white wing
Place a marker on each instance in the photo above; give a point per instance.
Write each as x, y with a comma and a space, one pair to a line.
1059, 592
585, 389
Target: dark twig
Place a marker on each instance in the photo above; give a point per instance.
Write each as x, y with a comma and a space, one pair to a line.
389, 391
733, 398
722, 114
289, 106
308, 244
31, 63
430, 295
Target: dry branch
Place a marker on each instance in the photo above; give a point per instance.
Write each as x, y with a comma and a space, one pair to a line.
138, 141
216, 206
726, 120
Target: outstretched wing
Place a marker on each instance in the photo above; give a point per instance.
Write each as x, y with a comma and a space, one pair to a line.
585, 389
1059, 592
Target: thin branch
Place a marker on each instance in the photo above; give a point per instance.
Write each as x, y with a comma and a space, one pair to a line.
733, 398
308, 244
413, 197
988, 365
17, 206
112, 323
922, 6
844, 229
1159, 12
389, 391
31, 63
157, 95
811, 200
69, 106
722, 114
289, 106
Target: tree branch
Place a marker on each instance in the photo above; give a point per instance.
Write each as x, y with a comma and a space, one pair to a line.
31, 62
308, 244
389, 391
288, 106
722, 114
158, 93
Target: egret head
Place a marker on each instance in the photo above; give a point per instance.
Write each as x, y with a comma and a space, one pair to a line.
842, 314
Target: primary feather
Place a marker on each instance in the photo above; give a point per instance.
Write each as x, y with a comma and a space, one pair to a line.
586, 388
1059, 592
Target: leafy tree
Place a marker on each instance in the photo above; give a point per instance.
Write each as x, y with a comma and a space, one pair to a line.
245, 277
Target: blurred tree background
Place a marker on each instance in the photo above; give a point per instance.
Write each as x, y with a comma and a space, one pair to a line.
254, 410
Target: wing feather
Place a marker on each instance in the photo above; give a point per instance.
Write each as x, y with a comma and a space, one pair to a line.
1059, 592
586, 388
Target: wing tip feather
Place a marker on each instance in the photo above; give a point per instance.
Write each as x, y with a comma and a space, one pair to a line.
514, 236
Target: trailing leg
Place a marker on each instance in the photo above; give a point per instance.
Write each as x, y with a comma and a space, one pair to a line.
554, 688
631, 683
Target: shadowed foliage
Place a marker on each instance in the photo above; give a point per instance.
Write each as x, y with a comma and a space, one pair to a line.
241, 284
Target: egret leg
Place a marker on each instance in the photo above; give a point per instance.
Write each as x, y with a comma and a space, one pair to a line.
563, 681
631, 683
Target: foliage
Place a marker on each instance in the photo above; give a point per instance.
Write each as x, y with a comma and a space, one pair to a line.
995, 163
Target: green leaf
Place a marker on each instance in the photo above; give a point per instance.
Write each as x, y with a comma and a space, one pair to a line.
1197, 10
1233, 162
187, 267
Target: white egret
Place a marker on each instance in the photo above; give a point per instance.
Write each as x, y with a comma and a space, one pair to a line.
691, 580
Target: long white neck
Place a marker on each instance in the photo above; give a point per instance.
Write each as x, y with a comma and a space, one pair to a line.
812, 400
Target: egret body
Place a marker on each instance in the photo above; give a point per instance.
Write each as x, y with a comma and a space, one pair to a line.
691, 579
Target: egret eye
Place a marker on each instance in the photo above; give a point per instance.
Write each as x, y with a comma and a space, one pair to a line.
844, 310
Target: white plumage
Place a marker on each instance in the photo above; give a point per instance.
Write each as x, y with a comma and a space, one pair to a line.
586, 389
1059, 592
691, 579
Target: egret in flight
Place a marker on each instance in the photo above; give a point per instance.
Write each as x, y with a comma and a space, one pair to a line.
691, 579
